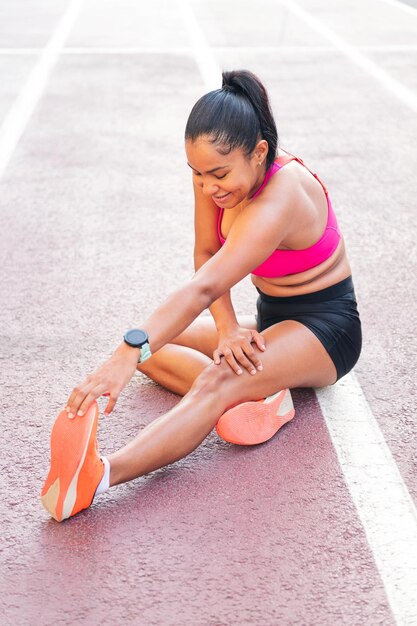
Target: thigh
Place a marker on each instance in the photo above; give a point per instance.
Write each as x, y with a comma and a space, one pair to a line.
202, 333
294, 357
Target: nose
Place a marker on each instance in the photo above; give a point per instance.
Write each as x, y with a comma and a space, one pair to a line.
210, 189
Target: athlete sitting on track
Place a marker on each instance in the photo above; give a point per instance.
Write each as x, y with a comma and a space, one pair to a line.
259, 211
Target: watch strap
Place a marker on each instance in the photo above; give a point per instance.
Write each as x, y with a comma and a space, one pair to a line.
145, 353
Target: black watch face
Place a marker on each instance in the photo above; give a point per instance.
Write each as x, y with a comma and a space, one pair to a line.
136, 337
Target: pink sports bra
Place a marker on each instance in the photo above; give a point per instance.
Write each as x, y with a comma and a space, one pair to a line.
285, 262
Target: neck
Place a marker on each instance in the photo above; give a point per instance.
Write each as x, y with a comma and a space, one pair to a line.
259, 181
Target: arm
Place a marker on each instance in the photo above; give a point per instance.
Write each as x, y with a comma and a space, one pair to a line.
222, 309
178, 311
255, 234
206, 245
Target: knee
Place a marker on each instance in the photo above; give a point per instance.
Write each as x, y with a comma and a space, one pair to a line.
212, 378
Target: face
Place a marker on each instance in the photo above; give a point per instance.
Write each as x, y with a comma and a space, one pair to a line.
227, 179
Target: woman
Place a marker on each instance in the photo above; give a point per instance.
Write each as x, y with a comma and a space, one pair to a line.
258, 211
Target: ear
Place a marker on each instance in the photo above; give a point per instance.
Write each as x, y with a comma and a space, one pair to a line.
260, 152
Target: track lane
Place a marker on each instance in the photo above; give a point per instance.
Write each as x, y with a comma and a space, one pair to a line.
148, 525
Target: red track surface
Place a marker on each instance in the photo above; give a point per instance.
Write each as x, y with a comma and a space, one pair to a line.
96, 208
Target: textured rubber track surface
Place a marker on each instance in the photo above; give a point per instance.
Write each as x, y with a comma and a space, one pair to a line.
97, 204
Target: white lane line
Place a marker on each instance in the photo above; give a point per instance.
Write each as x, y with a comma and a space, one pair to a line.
221, 49
133, 50
17, 118
382, 500
384, 505
204, 57
401, 92
411, 10
19, 51
309, 49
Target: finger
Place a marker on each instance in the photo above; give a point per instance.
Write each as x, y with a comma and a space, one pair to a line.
76, 398
111, 404
241, 357
95, 393
86, 383
251, 354
216, 356
228, 355
259, 340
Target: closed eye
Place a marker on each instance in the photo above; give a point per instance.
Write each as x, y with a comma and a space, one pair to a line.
218, 177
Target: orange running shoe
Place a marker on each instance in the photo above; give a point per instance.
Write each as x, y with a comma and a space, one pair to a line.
76, 468
250, 423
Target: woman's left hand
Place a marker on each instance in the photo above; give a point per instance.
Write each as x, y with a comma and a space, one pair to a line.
235, 346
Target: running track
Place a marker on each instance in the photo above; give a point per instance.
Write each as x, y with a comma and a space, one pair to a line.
316, 527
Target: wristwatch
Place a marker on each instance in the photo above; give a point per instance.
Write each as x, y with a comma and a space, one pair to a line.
138, 338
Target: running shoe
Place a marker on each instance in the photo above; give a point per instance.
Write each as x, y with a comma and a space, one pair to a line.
76, 468
250, 423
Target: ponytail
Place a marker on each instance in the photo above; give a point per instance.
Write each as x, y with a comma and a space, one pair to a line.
236, 116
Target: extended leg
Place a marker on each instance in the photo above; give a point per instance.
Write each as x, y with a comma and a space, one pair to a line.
173, 435
294, 358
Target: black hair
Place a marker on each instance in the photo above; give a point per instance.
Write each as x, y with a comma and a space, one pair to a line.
236, 116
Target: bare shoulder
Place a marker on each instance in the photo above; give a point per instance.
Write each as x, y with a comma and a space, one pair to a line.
289, 180
305, 185
272, 211
302, 196
277, 202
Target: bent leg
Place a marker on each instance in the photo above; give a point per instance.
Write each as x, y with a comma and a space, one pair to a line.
175, 367
180, 362
294, 358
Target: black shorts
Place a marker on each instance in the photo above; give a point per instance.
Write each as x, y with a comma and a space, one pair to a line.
331, 314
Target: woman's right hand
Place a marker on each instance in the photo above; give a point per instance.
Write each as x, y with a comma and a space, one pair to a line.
235, 346
109, 379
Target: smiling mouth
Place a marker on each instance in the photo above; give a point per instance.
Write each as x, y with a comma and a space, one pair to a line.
221, 197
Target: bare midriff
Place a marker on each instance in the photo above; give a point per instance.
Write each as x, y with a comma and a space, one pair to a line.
331, 271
